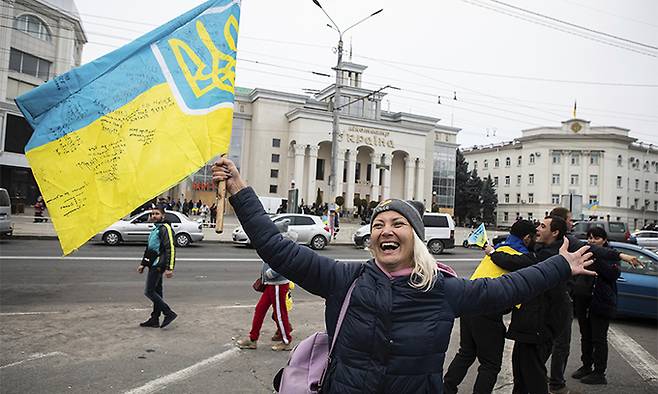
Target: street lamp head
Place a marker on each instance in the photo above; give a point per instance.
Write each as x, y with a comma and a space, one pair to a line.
316, 2
373, 14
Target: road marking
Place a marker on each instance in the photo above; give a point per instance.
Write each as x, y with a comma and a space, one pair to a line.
27, 313
33, 357
114, 258
642, 361
186, 373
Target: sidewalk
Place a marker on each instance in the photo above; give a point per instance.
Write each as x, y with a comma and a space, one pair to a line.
24, 227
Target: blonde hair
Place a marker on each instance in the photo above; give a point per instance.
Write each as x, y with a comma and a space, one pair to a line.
424, 269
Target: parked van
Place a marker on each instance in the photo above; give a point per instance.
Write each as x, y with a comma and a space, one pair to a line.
439, 232
6, 226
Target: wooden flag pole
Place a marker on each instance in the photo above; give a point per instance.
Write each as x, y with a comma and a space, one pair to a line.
220, 203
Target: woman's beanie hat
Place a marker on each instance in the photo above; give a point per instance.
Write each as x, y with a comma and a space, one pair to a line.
412, 211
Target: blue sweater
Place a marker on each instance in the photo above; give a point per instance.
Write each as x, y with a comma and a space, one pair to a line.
394, 337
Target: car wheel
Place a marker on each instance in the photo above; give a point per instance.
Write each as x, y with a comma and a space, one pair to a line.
465, 243
112, 238
366, 241
435, 246
182, 240
318, 242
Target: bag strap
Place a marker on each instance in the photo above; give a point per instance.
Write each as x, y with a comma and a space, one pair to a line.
343, 312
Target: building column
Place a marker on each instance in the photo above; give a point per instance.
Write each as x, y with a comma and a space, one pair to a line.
340, 165
312, 169
375, 160
7, 15
349, 182
409, 165
298, 172
420, 181
386, 182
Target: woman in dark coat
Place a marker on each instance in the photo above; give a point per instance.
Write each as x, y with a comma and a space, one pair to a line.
398, 323
595, 301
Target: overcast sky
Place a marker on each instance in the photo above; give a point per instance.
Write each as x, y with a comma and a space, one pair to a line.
434, 48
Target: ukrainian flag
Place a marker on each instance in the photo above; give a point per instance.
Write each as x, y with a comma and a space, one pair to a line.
479, 236
121, 130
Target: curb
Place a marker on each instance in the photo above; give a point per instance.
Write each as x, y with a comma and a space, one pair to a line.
54, 237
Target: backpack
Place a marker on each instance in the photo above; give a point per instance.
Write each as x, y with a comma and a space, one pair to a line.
309, 360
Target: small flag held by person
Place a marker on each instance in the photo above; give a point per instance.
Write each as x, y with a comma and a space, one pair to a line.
119, 131
479, 236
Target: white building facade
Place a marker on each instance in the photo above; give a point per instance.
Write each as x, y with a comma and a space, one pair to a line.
280, 138
616, 175
38, 40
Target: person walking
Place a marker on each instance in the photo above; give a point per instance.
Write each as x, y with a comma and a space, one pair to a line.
403, 305
39, 207
159, 258
213, 215
595, 301
483, 337
275, 295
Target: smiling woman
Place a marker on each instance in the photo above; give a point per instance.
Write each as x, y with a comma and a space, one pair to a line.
396, 327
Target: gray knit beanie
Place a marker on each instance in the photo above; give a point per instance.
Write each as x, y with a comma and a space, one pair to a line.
412, 211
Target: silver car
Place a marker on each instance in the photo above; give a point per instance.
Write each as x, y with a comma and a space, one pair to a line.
137, 229
309, 229
647, 239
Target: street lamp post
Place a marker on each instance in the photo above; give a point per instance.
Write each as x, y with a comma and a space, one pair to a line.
333, 181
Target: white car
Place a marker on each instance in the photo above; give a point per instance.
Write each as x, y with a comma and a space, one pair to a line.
439, 233
309, 229
138, 228
6, 226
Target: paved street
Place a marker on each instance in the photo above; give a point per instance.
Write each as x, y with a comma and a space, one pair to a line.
69, 325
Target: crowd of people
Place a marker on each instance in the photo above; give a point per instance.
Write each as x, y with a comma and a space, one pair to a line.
398, 308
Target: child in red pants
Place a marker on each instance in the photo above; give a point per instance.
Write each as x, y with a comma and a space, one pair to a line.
275, 295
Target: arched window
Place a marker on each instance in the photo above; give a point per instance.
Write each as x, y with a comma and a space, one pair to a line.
532, 158
519, 160
620, 161
475, 165
496, 163
30, 24
508, 162
486, 164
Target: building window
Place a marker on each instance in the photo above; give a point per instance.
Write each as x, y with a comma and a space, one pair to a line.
555, 199
319, 170
276, 142
475, 165
18, 133
593, 199
506, 215
273, 188
368, 171
619, 182
645, 167
518, 179
485, 164
531, 198
357, 172
634, 163
507, 180
618, 202
506, 198
30, 24
27, 64
532, 158
530, 216
275, 157
575, 159
594, 159
555, 158
574, 179
496, 163
519, 161
495, 181
637, 184
555, 179
17, 88
655, 187
655, 205
620, 161
508, 162
531, 179
646, 186
274, 173
593, 180
518, 199
636, 203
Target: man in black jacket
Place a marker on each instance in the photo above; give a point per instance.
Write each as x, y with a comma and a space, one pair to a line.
537, 322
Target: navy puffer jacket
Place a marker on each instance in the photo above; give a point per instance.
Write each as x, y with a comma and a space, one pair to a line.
394, 337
